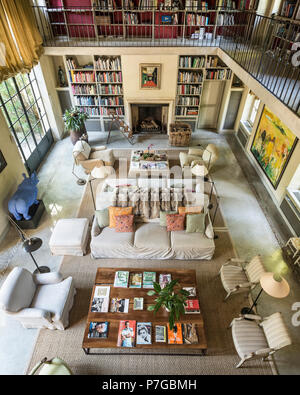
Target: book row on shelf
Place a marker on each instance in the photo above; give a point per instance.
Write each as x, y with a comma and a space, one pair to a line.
97, 101
288, 8
188, 90
188, 101
112, 101
111, 90
185, 111
131, 19
212, 61
189, 77
100, 111
109, 77
92, 90
190, 62
218, 74
82, 76
197, 20
225, 19
108, 64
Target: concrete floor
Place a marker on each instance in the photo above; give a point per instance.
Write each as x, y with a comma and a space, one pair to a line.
250, 230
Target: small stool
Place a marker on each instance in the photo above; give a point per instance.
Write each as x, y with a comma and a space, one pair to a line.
70, 237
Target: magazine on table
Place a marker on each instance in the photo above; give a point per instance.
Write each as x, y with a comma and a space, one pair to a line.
144, 330
160, 334
148, 279
192, 306
175, 335
191, 290
189, 333
164, 279
100, 301
119, 305
98, 330
126, 335
138, 304
135, 280
121, 279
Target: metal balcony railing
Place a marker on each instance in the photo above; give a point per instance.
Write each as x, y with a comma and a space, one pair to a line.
264, 47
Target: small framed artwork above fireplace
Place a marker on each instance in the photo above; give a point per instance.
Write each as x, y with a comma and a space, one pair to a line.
150, 75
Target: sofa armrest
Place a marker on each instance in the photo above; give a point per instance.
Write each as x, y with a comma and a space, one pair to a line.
96, 230
66, 287
31, 313
99, 148
47, 278
90, 164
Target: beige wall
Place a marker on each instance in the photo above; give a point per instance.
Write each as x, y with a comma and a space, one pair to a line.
11, 176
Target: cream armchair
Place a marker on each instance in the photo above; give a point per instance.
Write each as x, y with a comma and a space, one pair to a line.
89, 158
38, 300
238, 275
199, 156
256, 337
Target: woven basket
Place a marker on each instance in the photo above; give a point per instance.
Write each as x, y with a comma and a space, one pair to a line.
180, 134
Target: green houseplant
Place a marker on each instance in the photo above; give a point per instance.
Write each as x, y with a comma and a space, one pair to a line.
74, 124
173, 301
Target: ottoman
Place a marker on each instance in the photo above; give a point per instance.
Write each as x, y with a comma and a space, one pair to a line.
70, 237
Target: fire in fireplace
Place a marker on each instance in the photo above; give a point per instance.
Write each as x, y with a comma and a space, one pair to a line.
150, 118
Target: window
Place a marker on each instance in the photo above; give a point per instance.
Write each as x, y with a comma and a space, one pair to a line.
24, 111
253, 111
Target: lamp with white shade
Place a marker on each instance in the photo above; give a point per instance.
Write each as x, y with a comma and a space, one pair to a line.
274, 285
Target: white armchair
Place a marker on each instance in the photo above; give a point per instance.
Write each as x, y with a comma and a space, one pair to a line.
256, 337
238, 275
89, 157
38, 300
198, 156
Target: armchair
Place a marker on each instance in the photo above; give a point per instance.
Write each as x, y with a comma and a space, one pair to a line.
38, 300
256, 337
241, 276
89, 158
198, 156
53, 367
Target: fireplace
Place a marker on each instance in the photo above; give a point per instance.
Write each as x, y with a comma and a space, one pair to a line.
149, 118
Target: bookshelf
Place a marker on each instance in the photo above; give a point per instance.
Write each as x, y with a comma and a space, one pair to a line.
96, 84
193, 73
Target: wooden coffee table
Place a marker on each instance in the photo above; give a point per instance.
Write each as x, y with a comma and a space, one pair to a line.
108, 346
154, 172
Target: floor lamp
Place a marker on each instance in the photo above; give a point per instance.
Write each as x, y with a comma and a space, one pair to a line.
96, 174
30, 245
274, 285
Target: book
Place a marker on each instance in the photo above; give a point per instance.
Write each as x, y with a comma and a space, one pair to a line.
126, 335
143, 330
100, 299
192, 306
164, 279
191, 290
138, 304
135, 280
98, 330
175, 335
119, 305
148, 279
121, 279
189, 333
160, 334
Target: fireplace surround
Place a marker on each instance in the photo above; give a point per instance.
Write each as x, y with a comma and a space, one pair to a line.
149, 117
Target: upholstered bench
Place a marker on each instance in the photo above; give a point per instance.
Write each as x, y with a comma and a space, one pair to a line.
70, 237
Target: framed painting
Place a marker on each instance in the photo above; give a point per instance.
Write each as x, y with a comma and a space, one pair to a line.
150, 76
3, 163
272, 146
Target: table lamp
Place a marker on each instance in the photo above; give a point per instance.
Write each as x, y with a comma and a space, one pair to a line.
274, 285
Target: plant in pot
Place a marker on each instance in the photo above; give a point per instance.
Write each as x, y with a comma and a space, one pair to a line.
74, 123
172, 300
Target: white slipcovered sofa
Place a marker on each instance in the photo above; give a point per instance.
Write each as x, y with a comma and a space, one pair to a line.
38, 300
150, 240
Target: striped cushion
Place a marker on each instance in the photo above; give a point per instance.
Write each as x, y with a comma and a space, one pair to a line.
255, 269
231, 276
248, 337
275, 331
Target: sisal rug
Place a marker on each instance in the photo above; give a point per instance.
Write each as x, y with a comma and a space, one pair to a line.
221, 356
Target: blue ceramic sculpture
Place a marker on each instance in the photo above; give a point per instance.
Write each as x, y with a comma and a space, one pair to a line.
24, 198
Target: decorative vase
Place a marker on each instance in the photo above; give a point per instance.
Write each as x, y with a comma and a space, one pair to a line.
76, 135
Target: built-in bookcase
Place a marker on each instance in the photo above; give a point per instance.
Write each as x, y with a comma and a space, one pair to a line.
96, 85
193, 72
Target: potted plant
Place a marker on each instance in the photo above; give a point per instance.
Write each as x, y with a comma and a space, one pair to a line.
74, 123
172, 301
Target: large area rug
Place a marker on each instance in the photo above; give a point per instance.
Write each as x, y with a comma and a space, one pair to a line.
221, 357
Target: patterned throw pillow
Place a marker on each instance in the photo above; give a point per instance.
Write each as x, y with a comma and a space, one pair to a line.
124, 223
114, 211
190, 210
175, 222
163, 217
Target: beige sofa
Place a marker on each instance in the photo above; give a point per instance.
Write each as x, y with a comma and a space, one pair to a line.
149, 240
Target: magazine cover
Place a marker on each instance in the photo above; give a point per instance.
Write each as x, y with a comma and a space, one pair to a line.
126, 335
138, 304
192, 306
191, 290
175, 335
98, 330
160, 334
100, 300
119, 305
135, 280
121, 279
148, 279
164, 279
143, 330
190, 334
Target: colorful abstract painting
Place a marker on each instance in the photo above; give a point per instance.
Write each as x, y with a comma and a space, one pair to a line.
150, 76
272, 146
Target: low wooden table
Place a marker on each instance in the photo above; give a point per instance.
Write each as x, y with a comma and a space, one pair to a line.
108, 346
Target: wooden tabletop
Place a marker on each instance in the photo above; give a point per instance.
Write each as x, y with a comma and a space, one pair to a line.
106, 276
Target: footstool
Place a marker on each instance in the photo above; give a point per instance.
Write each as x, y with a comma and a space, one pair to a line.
70, 237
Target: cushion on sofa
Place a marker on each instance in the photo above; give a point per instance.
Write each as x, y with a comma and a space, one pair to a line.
191, 245
190, 210
175, 222
102, 217
124, 223
195, 223
195, 151
152, 241
113, 211
163, 217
